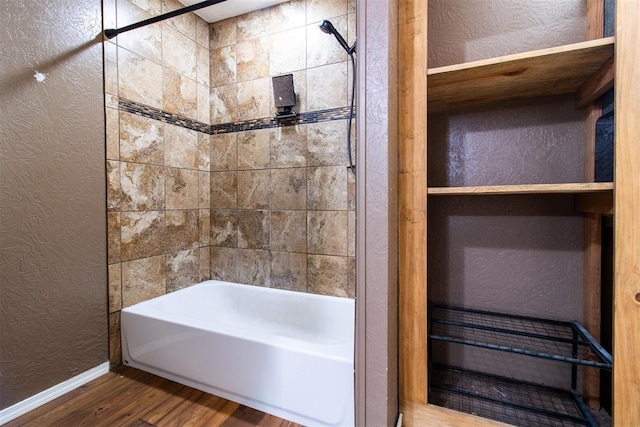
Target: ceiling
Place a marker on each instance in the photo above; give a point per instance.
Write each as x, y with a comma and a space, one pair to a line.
230, 8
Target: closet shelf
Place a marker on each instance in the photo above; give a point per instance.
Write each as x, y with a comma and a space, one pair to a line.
545, 72
505, 399
548, 339
486, 190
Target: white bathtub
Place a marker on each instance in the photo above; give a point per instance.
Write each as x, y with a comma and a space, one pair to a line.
289, 354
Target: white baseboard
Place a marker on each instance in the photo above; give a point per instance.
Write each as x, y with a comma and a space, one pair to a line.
31, 403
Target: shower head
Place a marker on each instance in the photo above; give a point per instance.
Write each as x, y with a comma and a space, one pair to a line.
328, 28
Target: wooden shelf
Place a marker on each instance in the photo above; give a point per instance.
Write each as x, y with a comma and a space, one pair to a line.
552, 71
487, 190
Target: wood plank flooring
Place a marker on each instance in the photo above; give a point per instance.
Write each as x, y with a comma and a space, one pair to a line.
129, 397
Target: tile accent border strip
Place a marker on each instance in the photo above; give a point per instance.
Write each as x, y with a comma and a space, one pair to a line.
340, 113
161, 115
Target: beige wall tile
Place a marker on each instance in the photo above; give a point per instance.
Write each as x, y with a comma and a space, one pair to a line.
178, 52
204, 151
114, 191
154, 7
288, 188
252, 59
317, 10
253, 229
253, 189
288, 146
110, 66
351, 6
114, 252
222, 66
204, 190
351, 191
224, 190
352, 30
179, 94
300, 88
181, 189
224, 152
327, 275
224, 264
224, 104
205, 263
326, 143
142, 187
185, 23
139, 79
254, 267
327, 87
224, 228
327, 232
351, 236
327, 188
288, 51
351, 277
323, 49
204, 109
182, 230
111, 101
145, 41
115, 347
253, 99
222, 33
288, 15
204, 227
142, 234
202, 65
141, 139
289, 231
142, 280
182, 269
181, 147
254, 149
288, 271
252, 25
202, 32
109, 14
115, 287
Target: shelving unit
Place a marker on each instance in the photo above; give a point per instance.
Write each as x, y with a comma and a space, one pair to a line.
488, 190
549, 339
505, 399
545, 72
587, 70
508, 399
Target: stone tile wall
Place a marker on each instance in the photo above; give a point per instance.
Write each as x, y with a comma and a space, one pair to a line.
202, 182
282, 199
157, 173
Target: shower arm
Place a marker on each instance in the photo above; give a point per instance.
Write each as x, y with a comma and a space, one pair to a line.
112, 32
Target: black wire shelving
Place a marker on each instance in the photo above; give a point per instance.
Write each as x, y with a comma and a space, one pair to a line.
549, 339
505, 399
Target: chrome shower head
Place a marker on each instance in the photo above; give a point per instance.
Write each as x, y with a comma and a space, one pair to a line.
328, 28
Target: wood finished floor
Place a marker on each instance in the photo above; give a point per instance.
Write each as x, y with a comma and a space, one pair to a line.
133, 398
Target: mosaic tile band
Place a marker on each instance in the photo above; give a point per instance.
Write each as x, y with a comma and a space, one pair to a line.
341, 113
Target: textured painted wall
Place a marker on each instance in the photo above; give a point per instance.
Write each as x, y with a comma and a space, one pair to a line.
53, 322
377, 251
466, 30
518, 254
283, 206
157, 173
